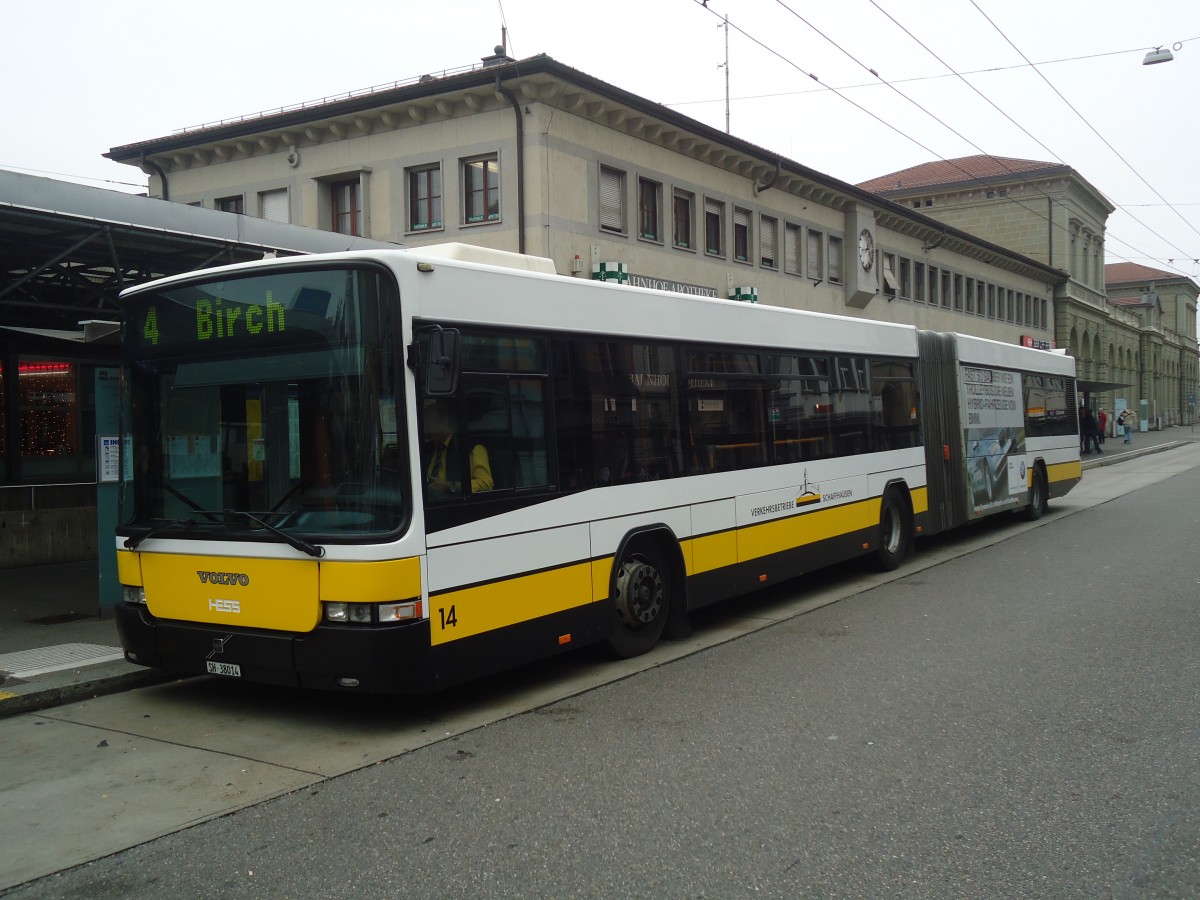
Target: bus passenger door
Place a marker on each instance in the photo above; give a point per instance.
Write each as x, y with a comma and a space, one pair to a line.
945, 466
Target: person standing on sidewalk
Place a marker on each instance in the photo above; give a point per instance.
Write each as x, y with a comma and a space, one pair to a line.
1103, 417
1088, 431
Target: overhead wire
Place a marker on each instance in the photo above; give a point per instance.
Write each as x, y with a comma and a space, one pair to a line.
968, 176
999, 161
1081, 118
1024, 130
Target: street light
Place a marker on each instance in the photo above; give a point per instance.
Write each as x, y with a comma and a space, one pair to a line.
1160, 55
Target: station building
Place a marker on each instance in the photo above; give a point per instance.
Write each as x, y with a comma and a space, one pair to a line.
535, 157
1131, 329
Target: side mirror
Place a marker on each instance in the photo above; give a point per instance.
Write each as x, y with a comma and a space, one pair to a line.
441, 366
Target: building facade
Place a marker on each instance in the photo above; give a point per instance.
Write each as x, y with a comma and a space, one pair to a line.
539, 158
1049, 212
1164, 362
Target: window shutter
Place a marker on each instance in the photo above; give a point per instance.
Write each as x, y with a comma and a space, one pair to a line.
791, 250
612, 206
815, 240
766, 241
275, 206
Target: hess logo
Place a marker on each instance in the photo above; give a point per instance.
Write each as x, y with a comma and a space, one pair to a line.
228, 606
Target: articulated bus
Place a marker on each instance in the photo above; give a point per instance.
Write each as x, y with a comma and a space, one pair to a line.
397, 470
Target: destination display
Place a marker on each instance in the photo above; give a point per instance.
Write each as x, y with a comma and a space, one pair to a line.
236, 316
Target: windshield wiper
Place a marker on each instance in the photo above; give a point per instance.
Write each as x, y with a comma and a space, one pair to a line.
163, 524
298, 543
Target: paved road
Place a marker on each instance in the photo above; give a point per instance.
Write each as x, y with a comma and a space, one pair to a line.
1016, 722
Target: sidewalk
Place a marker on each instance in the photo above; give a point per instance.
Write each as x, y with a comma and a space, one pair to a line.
56, 647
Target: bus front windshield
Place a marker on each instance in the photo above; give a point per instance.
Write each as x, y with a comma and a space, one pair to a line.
265, 406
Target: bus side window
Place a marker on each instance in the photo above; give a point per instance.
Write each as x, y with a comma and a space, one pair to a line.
531, 464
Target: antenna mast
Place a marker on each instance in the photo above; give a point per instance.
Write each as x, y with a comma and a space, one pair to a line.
726, 74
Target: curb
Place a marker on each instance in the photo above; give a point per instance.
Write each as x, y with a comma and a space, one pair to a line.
1132, 454
78, 684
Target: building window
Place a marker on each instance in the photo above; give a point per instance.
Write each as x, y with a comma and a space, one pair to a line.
232, 204
55, 424
919, 282
835, 259
980, 299
682, 226
612, 199
958, 292
890, 285
816, 254
991, 301
273, 206
768, 242
970, 297
934, 286
649, 209
741, 234
714, 227
481, 190
425, 198
946, 295
346, 202
905, 276
791, 249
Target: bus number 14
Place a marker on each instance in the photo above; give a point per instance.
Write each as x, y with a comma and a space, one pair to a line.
449, 617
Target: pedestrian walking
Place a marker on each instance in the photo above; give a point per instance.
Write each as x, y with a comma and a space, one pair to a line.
1125, 423
1103, 417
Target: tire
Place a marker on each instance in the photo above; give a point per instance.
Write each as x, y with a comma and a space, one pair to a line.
895, 531
641, 592
1038, 496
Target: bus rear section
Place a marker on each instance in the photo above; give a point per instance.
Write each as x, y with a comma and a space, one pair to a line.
1002, 432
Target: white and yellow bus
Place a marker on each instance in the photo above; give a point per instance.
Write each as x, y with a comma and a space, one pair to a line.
398, 470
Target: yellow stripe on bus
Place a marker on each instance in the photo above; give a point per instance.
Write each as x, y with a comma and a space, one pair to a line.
277, 594
129, 568
713, 551
371, 582
1068, 471
488, 607
784, 534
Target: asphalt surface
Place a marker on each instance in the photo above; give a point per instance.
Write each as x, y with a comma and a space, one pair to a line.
1020, 722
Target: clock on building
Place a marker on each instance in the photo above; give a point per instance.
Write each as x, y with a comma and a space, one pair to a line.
866, 249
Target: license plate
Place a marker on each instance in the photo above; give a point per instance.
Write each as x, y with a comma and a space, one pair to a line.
228, 669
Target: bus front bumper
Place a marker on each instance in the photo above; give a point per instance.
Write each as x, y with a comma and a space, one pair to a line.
387, 659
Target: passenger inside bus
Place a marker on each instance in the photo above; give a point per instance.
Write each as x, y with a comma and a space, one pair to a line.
443, 461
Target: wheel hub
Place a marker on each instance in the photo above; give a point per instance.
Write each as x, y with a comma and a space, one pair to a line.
639, 593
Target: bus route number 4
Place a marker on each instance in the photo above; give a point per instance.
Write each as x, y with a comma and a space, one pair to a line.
449, 617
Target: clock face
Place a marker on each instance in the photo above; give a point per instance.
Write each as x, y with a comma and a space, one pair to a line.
866, 249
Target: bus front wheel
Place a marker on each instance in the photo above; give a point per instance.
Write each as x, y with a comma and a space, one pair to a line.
641, 599
895, 531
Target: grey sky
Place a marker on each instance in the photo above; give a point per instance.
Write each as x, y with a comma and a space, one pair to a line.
82, 77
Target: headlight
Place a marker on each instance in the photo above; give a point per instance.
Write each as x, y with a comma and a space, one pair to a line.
134, 594
372, 613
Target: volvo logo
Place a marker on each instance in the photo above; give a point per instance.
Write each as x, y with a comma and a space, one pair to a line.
223, 578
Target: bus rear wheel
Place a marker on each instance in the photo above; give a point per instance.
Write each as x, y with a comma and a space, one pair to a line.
895, 531
1038, 496
641, 600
